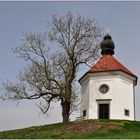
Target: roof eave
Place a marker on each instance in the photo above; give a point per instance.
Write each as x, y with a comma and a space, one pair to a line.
109, 71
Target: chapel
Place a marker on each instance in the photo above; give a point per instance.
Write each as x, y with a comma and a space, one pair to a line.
108, 87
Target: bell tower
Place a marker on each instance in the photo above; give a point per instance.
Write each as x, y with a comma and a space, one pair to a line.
107, 88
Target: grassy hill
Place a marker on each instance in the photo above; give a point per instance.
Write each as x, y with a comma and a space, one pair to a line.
79, 129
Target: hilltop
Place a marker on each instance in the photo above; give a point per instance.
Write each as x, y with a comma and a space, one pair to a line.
78, 130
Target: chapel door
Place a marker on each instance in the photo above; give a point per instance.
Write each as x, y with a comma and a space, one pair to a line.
103, 111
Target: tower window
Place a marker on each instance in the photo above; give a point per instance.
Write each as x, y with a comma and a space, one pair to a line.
126, 112
104, 88
84, 113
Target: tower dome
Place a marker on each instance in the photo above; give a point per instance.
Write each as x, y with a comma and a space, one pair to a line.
107, 45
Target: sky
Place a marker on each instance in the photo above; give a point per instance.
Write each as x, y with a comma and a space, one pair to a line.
16, 18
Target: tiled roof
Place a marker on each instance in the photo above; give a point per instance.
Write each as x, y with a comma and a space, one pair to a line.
109, 63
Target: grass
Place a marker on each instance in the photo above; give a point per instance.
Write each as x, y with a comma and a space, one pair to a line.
87, 129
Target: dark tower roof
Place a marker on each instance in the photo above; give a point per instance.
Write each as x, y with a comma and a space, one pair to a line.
107, 45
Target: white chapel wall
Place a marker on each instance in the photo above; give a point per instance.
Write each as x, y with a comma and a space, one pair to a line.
84, 98
123, 99
120, 94
95, 83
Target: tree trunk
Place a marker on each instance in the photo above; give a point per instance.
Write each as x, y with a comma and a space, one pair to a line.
65, 101
65, 110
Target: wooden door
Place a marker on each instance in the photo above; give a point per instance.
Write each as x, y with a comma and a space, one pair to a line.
103, 111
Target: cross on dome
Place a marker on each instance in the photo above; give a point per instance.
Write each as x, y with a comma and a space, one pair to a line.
107, 30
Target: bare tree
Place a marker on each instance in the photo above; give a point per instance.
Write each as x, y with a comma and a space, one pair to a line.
52, 75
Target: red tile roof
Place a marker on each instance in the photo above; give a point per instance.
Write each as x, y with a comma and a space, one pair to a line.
109, 63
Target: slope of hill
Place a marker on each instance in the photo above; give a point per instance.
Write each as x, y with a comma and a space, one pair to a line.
78, 130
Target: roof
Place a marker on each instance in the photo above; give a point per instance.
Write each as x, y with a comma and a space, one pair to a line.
108, 63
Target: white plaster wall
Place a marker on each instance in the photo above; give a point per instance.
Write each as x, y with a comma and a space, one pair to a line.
120, 93
94, 94
123, 99
84, 98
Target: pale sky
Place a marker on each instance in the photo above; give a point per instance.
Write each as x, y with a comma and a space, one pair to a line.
16, 18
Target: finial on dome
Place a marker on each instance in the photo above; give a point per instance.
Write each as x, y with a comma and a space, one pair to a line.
107, 30
107, 45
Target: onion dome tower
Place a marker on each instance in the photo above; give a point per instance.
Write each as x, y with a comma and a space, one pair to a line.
107, 46
107, 88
